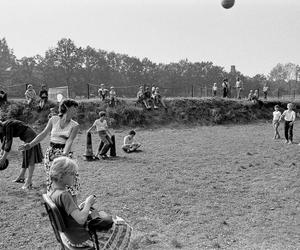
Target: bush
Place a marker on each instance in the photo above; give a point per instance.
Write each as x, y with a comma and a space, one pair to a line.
207, 111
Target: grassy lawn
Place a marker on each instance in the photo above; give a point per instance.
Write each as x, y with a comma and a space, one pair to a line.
219, 187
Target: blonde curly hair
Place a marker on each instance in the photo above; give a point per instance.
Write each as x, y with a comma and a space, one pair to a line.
62, 166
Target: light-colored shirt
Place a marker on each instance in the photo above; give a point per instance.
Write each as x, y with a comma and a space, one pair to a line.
30, 94
215, 88
128, 140
289, 115
276, 115
238, 84
60, 135
100, 126
112, 93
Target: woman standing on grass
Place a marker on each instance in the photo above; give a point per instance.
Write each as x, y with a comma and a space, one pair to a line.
63, 130
14, 128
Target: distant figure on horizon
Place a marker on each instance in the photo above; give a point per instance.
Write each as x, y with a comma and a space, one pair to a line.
102, 92
225, 88
250, 95
30, 95
3, 97
239, 88
112, 96
265, 91
214, 89
43, 96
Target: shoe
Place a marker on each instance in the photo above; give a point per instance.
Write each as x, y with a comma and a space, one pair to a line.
286, 141
290, 142
19, 180
104, 157
27, 186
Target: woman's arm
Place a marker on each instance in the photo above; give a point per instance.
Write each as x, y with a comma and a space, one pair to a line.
91, 128
38, 138
70, 140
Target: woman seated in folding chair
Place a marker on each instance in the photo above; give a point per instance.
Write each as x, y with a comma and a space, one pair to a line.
113, 234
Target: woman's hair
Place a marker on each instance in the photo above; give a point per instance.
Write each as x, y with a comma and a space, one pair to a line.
65, 105
62, 166
132, 132
276, 106
102, 113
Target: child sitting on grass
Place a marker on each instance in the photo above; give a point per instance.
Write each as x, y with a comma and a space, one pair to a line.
276, 117
101, 127
289, 119
129, 144
111, 233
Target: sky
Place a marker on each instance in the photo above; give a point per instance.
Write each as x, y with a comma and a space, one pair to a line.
254, 35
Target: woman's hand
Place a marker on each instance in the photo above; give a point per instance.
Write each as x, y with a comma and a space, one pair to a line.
24, 147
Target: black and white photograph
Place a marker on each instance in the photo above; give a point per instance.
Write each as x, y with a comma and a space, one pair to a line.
149, 124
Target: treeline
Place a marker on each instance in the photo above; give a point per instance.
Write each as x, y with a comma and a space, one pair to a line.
75, 67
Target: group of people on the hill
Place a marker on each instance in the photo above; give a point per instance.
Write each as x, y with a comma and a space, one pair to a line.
105, 94
62, 175
227, 90
31, 96
148, 97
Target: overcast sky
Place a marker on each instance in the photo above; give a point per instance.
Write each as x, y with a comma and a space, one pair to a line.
254, 35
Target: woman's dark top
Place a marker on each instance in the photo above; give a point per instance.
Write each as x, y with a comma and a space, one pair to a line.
13, 128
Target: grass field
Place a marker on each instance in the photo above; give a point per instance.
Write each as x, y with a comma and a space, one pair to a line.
218, 187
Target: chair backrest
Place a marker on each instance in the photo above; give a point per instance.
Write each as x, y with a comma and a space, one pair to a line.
55, 217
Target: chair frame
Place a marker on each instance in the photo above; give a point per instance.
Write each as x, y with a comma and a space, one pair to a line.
58, 224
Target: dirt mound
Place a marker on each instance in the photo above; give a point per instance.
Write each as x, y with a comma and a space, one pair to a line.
188, 111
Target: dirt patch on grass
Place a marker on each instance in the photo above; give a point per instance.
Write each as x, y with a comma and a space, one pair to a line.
220, 187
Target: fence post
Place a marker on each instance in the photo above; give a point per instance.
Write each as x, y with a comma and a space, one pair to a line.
192, 90
88, 91
278, 93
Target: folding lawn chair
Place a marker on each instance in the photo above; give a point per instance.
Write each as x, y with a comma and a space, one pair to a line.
58, 225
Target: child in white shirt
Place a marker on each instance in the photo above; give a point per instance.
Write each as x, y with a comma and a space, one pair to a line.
289, 119
129, 144
101, 127
276, 117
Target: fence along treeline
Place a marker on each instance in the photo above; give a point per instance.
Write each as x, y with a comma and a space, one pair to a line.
75, 67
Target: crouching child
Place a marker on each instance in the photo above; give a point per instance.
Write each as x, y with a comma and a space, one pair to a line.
129, 144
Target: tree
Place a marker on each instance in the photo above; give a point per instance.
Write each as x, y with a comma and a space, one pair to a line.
7, 61
67, 58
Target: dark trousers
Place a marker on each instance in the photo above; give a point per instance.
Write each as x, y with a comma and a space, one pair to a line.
225, 92
288, 130
107, 143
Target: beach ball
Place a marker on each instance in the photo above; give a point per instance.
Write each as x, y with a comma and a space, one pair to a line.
227, 4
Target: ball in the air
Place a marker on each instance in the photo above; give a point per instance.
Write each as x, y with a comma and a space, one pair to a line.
227, 4
4, 165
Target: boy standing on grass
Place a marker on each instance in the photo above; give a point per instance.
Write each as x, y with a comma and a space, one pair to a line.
101, 127
129, 144
276, 118
289, 119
